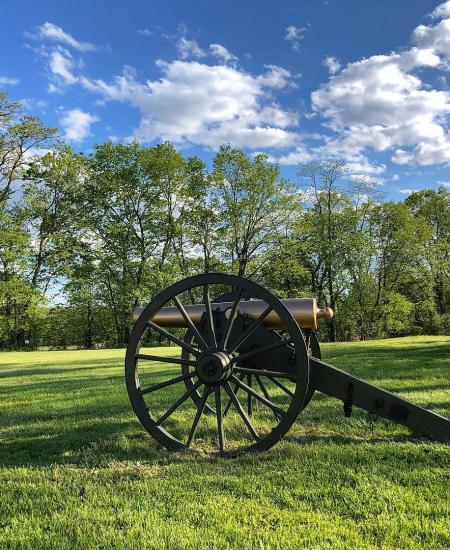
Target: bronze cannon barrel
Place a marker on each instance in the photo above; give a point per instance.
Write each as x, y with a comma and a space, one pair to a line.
304, 311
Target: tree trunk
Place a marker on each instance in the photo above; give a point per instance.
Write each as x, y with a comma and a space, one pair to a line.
88, 337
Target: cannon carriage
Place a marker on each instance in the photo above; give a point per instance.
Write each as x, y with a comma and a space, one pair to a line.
248, 364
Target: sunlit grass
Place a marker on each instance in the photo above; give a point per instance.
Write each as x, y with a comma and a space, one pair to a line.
77, 469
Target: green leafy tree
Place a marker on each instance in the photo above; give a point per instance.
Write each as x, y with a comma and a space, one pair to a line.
48, 211
20, 136
433, 208
129, 205
256, 206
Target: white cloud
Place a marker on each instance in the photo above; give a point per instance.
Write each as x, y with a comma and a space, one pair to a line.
294, 35
408, 191
395, 177
381, 103
435, 37
299, 156
7, 81
444, 183
59, 57
145, 32
189, 48
61, 64
443, 10
32, 104
332, 64
205, 105
220, 51
360, 165
274, 77
76, 124
357, 165
57, 34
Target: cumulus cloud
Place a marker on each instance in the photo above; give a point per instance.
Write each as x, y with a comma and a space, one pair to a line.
381, 103
76, 124
359, 165
443, 10
8, 81
192, 102
356, 165
52, 32
220, 51
332, 64
189, 48
205, 105
299, 156
408, 191
294, 36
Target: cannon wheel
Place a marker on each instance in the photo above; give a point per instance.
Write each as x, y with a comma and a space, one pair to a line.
173, 421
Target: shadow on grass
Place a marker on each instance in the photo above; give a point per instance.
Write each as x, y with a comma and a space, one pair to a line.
97, 447
36, 368
88, 435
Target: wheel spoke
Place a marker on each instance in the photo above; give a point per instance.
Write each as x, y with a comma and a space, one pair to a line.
189, 322
266, 395
281, 385
209, 316
167, 383
241, 411
256, 395
236, 389
231, 319
177, 403
265, 349
267, 373
220, 431
173, 338
173, 360
198, 415
251, 328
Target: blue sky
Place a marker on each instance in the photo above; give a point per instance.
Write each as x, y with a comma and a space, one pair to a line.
365, 80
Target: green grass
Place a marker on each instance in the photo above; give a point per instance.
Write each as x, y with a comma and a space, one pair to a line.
78, 471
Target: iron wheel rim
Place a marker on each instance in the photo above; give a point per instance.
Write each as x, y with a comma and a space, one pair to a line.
138, 401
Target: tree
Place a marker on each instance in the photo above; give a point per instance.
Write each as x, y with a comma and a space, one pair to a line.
325, 231
397, 263
128, 205
256, 205
200, 234
18, 300
433, 207
48, 211
20, 135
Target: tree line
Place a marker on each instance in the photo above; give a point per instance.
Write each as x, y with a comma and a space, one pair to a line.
84, 238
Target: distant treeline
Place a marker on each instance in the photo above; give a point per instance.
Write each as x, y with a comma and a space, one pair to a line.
85, 238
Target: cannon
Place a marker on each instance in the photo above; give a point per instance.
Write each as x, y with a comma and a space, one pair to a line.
246, 364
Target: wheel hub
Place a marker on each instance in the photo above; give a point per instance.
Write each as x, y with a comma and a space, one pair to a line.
213, 366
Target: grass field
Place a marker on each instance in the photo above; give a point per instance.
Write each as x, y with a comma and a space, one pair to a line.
77, 469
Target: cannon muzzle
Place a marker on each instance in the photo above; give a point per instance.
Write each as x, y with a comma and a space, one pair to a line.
304, 311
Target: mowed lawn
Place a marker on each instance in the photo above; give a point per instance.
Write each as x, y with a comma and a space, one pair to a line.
77, 469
